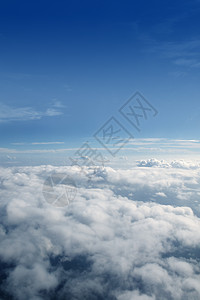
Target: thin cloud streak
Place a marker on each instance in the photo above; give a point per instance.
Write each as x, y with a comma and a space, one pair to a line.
11, 114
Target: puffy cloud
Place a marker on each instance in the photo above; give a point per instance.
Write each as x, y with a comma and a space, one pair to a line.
118, 239
152, 162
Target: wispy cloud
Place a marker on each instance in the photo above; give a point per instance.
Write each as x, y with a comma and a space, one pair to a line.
192, 63
47, 143
185, 53
10, 114
38, 143
155, 145
58, 104
30, 151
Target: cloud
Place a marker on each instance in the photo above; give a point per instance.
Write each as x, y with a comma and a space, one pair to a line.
119, 239
185, 53
10, 114
185, 62
182, 164
38, 143
58, 104
157, 145
47, 143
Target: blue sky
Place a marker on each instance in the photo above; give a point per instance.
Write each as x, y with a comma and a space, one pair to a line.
67, 67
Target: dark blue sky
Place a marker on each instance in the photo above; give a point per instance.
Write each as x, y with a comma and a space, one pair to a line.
66, 67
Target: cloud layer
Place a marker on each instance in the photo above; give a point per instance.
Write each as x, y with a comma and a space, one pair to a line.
119, 238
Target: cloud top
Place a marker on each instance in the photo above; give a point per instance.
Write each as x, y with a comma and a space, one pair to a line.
119, 239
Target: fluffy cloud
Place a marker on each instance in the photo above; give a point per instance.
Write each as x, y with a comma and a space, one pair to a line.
118, 239
182, 164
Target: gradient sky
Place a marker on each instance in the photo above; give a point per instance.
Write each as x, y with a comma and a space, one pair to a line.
67, 67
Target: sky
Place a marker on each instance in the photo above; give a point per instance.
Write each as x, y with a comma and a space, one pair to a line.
111, 87
68, 67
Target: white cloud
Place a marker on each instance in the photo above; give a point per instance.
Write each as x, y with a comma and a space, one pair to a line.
58, 104
182, 164
38, 143
47, 143
159, 146
117, 240
9, 114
